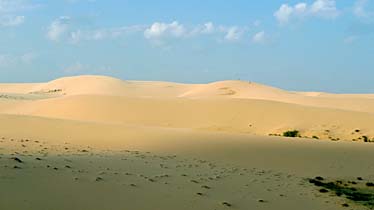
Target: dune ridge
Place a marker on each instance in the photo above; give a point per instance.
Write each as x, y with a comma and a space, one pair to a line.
103, 85
225, 106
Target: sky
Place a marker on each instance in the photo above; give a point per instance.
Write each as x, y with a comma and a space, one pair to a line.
311, 45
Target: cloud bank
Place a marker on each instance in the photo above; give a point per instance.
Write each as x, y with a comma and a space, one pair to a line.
319, 8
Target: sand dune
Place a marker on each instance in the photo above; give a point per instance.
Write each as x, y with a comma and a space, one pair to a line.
17, 88
105, 143
234, 115
227, 106
102, 85
250, 90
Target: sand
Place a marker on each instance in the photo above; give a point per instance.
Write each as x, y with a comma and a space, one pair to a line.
95, 142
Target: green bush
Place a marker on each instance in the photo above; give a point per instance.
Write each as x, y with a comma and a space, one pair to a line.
293, 133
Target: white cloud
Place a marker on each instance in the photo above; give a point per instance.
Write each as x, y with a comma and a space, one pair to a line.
259, 37
8, 21
78, 35
58, 28
325, 8
319, 8
64, 29
300, 8
233, 33
159, 30
9, 10
284, 13
206, 28
102, 34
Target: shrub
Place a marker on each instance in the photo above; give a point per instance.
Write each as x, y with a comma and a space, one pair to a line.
363, 196
365, 138
315, 137
293, 133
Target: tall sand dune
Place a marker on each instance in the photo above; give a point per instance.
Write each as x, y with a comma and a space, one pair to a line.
227, 106
102, 85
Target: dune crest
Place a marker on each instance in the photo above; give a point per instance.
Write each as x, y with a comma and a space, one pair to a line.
224, 106
81, 85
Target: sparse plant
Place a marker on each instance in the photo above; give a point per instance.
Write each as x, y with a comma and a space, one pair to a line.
362, 195
291, 133
365, 138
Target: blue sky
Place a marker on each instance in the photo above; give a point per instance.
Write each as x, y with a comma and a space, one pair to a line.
313, 45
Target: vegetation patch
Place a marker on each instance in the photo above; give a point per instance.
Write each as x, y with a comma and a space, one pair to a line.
367, 139
47, 91
360, 191
292, 133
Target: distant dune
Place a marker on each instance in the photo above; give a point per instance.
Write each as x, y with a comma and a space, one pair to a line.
226, 106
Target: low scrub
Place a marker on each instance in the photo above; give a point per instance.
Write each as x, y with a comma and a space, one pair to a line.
359, 191
292, 133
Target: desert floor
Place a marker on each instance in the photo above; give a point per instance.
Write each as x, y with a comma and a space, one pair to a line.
94, 142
